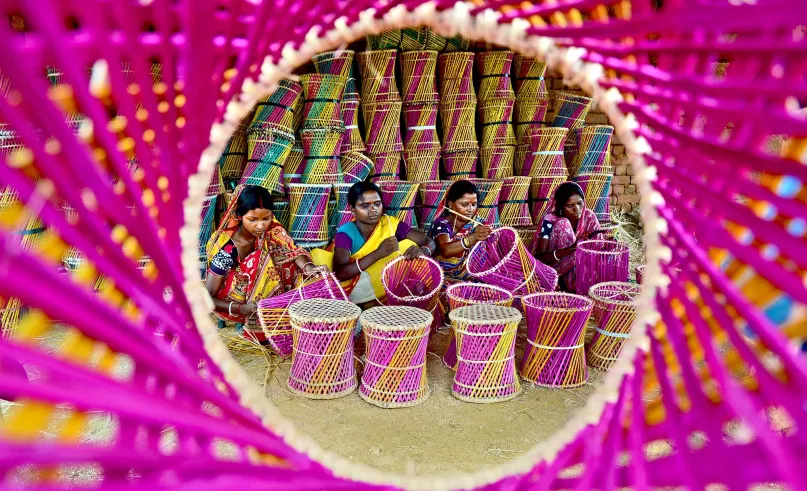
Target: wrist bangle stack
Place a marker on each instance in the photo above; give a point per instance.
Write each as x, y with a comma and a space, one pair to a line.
230, 309
555, 255
463, 244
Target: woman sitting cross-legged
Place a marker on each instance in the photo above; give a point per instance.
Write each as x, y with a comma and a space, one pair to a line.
368, 243
456, 229
251, 257
569, 221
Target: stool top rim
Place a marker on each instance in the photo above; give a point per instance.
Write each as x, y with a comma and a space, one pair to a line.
324, 309
395, 318
600, 292
534, 300
482, 314
450, 290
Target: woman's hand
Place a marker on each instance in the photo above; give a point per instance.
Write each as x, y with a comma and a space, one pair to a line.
388, 246
479, 234
311, 268
413, 252
567, 251
247, 309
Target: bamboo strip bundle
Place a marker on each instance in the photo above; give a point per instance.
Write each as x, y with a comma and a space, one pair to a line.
322, 360
542, 192
467, 293
356, 167
309, 214
459, 125
321, 149
459, 164
457, 43
386, 166
488, 202
556, 331
273, 312
234, 158
597, 189
598, 261
486, 337
614, 312
275, 111
593, 154
399, 200
514, 208
268, 151
419, 81
322, 101
386, 40
431, 199
382, 124
570, 110
421, 38
420, 121
543, 154
497, 161
340, 213
281, 212
421, 165
496, 120
294, 165
493, 69
395, 369
455, 72
502, 260
377, 69
414, 283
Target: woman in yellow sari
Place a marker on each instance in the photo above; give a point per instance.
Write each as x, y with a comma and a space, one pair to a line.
365, 245
251, 257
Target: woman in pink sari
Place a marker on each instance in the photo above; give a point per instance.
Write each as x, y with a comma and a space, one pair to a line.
569, 222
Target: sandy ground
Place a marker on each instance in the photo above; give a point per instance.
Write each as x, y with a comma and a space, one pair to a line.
441, 435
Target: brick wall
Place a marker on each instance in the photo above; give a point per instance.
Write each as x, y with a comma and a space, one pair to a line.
624, 196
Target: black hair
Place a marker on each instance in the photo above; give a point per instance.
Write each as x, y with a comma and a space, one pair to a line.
360, 188
564, 192
253, 198
460, 189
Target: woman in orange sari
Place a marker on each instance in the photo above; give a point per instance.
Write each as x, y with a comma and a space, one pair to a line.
251, 257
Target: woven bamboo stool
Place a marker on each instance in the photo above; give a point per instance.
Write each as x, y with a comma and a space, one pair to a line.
309, 214
598, 261
556, 331
486, 340
322, 359
395, 365
613, 314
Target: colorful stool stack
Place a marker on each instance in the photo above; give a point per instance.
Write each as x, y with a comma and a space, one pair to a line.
399, 200
598, 261
322, 358
322, 127
381, 111
467, 293
421, 155
556, 331
496, 102
514, 202
486, 368
613, 314
234, 158
395, 363
488, 202
532, 98
431, 202
309, 214
273, 312
591, 168
271, 136
458, 115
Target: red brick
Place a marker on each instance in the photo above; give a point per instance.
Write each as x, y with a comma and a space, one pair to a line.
618, 150
621, 180
620, 170
617, 189
558, 84
612, 200
596, 118
626, 207
630, 189
628, 199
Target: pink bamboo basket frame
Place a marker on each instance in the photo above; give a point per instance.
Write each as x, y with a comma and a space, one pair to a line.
395, 372
502, 260
467, 293
613, 314
273, 312
598, 261
414, 283
322, 358
486, 341
639, 273
556, 331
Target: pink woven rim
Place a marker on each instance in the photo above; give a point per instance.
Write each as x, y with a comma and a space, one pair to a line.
534, 300
599, 292
412, 298
450, 291
506, 257
607, 247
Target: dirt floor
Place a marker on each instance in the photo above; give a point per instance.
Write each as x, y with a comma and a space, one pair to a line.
441, 435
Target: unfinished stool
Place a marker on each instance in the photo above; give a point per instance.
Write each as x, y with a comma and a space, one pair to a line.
614, 311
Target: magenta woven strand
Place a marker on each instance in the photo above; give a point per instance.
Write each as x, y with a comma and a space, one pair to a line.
598, 261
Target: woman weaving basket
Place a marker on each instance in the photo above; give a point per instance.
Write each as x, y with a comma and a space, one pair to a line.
251, 257
569, 221
365, 245
455, 231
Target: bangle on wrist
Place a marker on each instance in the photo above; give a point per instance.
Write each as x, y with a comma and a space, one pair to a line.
230, 309
358, 267
555, 255
428, 251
